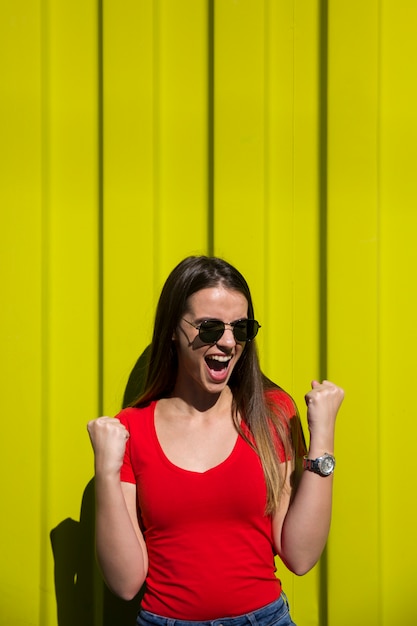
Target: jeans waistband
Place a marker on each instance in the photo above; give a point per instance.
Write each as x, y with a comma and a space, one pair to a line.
278, 609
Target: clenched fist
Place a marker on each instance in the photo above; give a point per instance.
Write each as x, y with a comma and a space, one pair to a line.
323, 403
108, 437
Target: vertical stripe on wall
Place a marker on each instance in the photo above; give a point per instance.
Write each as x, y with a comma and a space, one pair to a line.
353, 299
280, 134
397, 304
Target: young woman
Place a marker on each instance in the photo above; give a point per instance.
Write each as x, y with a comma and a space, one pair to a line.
200, 482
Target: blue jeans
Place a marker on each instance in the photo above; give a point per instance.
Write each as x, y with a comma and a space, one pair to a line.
274, 614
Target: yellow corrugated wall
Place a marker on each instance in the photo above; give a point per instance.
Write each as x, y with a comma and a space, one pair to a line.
280, 134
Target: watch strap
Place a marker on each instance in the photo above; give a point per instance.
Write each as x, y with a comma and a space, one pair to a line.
323, 466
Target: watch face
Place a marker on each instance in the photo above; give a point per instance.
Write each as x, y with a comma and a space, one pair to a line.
327, 464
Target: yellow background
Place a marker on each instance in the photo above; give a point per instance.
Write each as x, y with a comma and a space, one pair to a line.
279, 134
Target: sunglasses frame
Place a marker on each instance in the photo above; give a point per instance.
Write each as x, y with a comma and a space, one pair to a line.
224, 324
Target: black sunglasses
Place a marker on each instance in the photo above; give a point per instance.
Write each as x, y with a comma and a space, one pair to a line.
210, 331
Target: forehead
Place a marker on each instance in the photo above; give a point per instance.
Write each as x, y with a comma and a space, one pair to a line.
218, 302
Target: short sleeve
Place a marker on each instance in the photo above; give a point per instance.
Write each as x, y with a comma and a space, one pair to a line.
126, 471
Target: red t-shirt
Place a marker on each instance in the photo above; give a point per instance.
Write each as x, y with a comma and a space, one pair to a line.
209, 542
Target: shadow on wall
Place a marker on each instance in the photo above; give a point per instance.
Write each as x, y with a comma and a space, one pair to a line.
82, 597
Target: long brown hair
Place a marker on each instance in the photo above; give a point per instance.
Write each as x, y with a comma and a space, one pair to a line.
247, 383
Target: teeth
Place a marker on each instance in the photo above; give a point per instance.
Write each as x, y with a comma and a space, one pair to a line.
221, 359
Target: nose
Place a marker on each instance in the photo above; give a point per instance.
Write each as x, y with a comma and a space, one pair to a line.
228, 338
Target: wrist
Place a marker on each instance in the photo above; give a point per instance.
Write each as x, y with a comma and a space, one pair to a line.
315, 451
105, 473
321, 443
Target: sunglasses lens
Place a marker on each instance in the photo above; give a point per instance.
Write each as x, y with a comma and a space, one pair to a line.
240, 330
211, 331
245, 330
253, 328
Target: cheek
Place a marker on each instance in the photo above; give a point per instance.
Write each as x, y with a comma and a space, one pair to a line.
239, 352
185, 351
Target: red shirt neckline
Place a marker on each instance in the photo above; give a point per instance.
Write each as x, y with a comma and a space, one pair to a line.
229, 459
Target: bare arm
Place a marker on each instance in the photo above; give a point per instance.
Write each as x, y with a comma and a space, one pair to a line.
120, 547
302, 523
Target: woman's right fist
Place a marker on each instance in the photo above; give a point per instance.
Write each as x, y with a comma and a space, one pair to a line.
108, 438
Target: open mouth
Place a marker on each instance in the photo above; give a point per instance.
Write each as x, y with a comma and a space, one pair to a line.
218, 363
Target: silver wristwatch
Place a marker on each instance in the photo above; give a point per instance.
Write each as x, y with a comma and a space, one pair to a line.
323, 465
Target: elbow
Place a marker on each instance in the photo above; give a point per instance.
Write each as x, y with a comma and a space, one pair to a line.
123, 580
300, 569
127, 591
128, 594
300, 559
125, 586
299, 566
